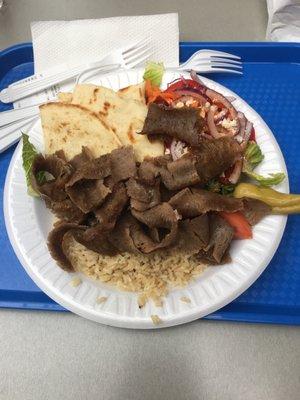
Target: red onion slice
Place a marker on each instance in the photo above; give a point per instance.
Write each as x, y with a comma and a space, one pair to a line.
230, 98
220, 115
196, 78
201, 99
241, 132
212, 125
239, 139
236, 172
247, 132
215, 96
242, 118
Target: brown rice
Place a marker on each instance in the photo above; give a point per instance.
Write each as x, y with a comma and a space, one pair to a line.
150, 275
101, 300
185, 299
155, 319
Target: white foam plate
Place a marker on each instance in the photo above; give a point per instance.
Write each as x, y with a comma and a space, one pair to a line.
28, 223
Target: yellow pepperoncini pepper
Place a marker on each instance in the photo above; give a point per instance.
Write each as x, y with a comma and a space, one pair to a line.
281, 203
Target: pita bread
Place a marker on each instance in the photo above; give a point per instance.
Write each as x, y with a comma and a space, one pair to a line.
64, 97
124, 116
134, 92
69, 127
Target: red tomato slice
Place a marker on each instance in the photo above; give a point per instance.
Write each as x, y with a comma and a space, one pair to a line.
242, 228
182, 84
252, 135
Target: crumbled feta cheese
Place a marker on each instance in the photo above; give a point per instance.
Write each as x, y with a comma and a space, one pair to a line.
167, 151
179, 104
202, 112
207, 104
228, 123
190, 102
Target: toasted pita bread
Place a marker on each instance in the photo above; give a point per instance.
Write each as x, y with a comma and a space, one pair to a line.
64, 97
134, 92
68, 127
124, 116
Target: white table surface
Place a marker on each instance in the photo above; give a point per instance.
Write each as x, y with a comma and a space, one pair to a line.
46, 355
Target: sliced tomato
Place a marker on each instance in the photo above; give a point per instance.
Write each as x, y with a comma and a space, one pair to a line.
182, 84
252, 135
167, 97
242, 228
151, 91
154, 94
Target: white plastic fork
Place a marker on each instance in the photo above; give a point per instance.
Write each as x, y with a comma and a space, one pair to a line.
126, 57
203, 61
126, 61
212, 61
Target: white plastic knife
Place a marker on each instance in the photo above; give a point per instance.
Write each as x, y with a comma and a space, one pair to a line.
7, 117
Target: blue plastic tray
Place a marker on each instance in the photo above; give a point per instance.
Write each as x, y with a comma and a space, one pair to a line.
271, 85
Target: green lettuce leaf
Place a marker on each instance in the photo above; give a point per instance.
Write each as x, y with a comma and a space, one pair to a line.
154, 73
28, 154
270, 180
253, 156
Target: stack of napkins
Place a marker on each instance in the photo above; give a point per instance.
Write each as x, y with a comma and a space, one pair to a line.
70, 42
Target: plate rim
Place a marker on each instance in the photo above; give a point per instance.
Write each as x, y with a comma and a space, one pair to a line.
125, 321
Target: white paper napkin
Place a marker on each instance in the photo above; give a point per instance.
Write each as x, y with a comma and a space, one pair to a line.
71, 42
58, 45
284, 20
